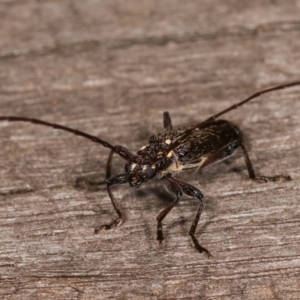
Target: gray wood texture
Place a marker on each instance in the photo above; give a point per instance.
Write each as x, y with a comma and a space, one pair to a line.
111, 68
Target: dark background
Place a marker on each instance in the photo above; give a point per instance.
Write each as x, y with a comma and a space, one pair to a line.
111, 68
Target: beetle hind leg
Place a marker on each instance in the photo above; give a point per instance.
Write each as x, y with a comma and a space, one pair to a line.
280, 178
256, 178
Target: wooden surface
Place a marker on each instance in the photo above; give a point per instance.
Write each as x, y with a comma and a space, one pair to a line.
111, 68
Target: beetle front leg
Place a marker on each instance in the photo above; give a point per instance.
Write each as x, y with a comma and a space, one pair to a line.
261, 178
119, 179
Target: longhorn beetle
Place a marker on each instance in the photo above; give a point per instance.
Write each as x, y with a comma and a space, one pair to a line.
170, 152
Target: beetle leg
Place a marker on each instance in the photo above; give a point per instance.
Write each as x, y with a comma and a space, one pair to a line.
173, 187
261, 178
119, 179
108, 165
178, 186
167, 121
192, 191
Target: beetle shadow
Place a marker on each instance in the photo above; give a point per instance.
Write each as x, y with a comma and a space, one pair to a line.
159, 191
216, 172
91, 183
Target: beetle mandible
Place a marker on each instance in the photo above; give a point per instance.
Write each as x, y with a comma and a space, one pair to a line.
170, 152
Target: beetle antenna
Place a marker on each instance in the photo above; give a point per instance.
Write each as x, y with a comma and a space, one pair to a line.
121, 151
234, 106
256, 95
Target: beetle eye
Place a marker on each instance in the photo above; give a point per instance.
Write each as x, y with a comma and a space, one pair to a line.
150, 172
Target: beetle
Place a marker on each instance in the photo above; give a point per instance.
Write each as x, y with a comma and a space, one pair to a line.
170, 152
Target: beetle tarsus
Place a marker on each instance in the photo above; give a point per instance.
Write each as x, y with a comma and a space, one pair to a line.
198, 247
261, 178
110, 226
275, 178
160, 236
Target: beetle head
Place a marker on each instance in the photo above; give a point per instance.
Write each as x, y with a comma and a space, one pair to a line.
139, 173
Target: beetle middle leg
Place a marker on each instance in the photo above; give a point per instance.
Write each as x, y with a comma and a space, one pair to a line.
260, 178
178, 186
173, 187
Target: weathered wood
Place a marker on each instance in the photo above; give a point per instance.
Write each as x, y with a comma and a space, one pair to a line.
111, 68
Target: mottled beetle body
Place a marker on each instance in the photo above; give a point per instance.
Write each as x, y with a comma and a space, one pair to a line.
170, 152
215, 142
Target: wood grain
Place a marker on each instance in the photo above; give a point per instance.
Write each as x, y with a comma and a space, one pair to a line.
111, 68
